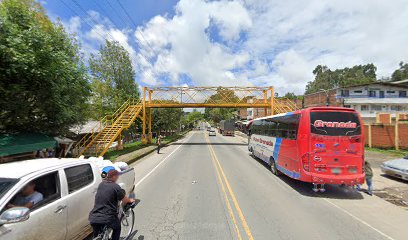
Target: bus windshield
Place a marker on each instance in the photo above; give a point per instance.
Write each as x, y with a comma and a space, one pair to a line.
335, 123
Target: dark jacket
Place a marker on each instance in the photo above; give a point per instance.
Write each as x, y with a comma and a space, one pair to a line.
368, 171
107, 199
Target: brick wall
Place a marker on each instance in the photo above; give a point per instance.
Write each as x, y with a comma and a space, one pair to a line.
243, 113
383, 135
260, 112
403, 135
403, 116
320, 99
384, 118
366, 134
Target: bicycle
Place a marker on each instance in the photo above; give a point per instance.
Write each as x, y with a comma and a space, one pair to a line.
127, 221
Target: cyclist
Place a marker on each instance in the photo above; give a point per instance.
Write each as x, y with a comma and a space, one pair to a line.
106, 208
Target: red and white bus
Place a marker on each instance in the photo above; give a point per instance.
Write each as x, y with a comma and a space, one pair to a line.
321, 145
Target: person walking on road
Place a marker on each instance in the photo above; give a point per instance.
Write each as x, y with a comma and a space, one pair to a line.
158, 144
368, 177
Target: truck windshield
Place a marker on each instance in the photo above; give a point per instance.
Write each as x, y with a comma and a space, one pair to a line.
335, 123
6, 184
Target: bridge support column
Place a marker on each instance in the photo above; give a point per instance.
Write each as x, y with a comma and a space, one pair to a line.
149, 136
120, 142
265, 92
149, 119
144, 138
272, 99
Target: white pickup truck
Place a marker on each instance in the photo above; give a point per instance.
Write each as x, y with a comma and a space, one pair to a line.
68, 187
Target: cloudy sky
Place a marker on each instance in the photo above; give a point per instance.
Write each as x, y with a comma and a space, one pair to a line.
241, 42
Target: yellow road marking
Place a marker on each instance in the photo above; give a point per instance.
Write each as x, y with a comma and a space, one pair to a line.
234, 200
231, 213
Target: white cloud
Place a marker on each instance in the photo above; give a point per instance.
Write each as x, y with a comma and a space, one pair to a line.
73, 25
101, 30
259, 42
298, 35
182, 45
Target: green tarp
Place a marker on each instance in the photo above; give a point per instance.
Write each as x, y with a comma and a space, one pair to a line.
11, 144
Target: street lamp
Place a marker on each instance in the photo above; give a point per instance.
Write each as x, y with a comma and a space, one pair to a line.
327, 96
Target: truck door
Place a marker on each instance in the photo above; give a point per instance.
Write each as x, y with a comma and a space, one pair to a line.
81, 188
48, 217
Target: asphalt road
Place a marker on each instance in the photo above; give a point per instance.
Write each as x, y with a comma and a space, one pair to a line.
210, 188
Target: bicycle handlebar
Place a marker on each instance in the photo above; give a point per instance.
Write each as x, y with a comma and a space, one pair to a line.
131, 205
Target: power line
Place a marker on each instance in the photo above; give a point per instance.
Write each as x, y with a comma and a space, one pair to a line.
115, 12
97, 31
134, 24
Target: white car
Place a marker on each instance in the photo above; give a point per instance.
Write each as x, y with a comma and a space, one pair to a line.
68, 187
211, 132
397, 168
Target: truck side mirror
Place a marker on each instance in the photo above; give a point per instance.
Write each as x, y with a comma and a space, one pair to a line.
14, 215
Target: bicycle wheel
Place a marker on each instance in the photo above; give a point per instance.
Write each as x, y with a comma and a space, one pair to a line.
127, 222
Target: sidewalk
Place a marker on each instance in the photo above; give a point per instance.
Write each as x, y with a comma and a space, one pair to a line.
137, 154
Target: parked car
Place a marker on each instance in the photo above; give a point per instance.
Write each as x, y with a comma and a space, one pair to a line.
211, 132
68, 188
397, 168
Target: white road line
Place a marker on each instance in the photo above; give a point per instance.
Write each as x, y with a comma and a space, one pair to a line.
359, 219
276, 179
162, 161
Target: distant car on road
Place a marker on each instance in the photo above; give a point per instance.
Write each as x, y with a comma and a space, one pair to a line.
211, 132
397, 168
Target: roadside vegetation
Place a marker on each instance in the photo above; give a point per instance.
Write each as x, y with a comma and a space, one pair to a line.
397, 153
134, 146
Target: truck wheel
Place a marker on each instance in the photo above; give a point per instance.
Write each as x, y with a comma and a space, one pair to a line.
274, 169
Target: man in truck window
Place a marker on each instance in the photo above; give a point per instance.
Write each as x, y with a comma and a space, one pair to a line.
27, 197
106, 208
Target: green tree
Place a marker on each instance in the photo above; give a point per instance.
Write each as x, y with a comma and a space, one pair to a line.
401, 73
328, 79
165, 119
221, 96
192, 118
215, 115
44, 85
113, 79
290, 95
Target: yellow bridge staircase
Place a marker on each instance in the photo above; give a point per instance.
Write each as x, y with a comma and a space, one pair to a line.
284, 105
98, 141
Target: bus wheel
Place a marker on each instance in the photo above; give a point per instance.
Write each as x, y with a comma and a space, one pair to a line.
274, 169
252, 152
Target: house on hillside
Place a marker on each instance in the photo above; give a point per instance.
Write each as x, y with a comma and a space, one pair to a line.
368, 99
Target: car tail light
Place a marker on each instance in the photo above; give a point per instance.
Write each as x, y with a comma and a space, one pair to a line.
305, 162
